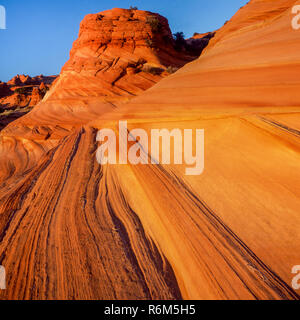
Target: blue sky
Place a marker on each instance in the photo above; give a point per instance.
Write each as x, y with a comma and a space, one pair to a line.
40, 34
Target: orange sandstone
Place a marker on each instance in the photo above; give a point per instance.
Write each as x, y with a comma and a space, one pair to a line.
72, 229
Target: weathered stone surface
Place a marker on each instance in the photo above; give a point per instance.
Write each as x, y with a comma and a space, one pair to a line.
72, 229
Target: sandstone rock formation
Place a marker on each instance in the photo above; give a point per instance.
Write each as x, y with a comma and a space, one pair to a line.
72, 229
19, 95
42, 87
22, 90
119, 53
25, 80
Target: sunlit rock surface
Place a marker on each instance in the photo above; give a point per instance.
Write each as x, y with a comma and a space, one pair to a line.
72, 229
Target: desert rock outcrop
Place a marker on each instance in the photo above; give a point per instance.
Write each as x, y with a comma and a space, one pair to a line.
72, 229
118, 54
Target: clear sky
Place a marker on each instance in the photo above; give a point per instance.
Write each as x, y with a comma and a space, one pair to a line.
40, 33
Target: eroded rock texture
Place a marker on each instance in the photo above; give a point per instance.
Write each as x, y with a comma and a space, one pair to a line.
73, 229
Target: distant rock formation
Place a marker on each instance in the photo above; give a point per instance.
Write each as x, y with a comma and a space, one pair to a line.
23, 90
199, 42
25, 80
20, 94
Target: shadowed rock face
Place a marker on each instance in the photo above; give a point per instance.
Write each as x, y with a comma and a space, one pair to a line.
199, 42
4, 90
72, 229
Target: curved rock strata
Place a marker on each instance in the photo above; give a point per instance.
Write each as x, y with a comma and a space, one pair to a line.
72, 229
